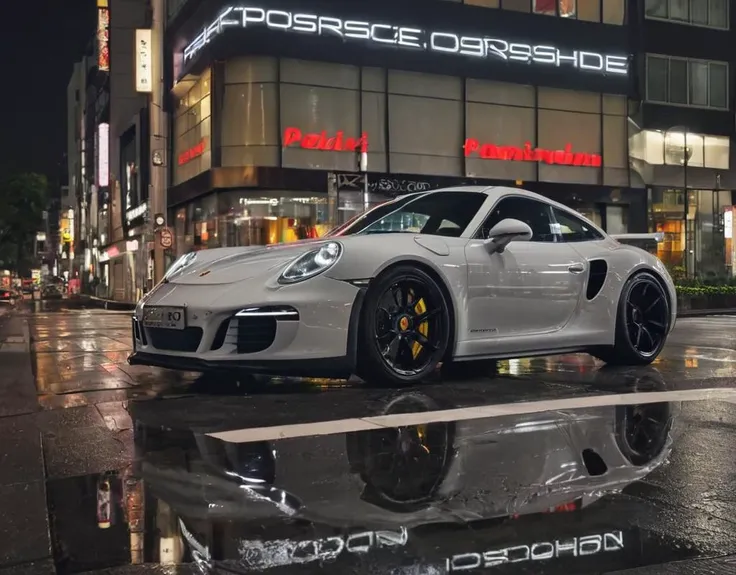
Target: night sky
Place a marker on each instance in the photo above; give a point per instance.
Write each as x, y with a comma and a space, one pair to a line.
40, 43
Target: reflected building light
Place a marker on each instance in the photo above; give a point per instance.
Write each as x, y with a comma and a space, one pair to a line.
514, 366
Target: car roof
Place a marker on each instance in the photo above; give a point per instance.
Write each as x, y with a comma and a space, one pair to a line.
496, 191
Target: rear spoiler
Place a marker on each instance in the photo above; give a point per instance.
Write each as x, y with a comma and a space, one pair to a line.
655, 237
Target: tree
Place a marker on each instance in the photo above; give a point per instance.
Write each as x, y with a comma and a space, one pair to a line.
23, 199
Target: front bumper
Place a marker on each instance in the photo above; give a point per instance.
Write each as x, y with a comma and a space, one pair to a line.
339, 367
320, 342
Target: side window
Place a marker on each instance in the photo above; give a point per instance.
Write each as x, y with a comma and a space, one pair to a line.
536, 214
573, 229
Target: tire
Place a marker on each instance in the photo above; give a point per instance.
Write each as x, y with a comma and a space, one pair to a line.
642, 323
642, 431
395, 300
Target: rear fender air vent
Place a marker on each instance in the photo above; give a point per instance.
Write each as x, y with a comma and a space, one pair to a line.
597, 277
594, 463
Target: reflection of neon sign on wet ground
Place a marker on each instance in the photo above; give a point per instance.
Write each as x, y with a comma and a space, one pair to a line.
267, 554
584, 546
405, 37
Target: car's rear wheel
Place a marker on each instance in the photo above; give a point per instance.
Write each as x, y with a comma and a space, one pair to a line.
405, 327
642, 323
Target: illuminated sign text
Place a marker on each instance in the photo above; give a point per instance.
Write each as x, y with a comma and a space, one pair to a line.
526, 153
193, 152
268, 554
406, 37
541, 551
103, 155
321, 141
136, 212
143, 71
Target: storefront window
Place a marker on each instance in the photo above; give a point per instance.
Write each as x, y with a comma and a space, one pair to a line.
351, 203
184, 241
248, 218
563, 8
204, 223
193, 130
675, 148
707, 247
693, 227
667, 214
617, 219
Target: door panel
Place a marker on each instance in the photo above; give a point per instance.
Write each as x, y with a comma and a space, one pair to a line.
528, 289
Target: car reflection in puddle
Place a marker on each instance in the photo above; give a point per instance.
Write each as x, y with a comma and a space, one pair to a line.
536, 493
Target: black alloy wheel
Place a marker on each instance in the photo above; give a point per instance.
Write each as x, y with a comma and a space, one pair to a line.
405, 331
643, 430
407, 464
647, 316
642, 323
402, 467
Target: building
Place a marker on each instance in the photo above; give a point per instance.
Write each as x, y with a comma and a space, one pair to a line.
681, 128
104, 111
279, 108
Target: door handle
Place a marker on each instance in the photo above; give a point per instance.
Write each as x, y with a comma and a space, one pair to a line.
576, 268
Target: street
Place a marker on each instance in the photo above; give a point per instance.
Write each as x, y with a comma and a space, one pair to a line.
551, 465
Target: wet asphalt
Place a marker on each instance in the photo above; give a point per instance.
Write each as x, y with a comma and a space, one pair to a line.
547, 465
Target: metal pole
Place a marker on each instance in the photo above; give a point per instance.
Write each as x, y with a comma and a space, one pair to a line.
158, 132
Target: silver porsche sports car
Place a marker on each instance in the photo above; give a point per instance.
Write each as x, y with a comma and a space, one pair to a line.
450, 276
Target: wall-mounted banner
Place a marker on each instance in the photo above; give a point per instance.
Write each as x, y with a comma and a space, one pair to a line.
103, 155
143, 61
408, 38
526, 153
103, 39
321, 141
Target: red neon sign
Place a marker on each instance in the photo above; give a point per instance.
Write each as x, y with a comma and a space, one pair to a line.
320, 141
193, 152
526, 153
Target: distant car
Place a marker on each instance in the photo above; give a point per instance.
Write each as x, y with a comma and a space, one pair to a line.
450, 276
50, 292
6, 295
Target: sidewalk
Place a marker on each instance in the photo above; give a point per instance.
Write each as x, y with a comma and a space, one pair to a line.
25, 545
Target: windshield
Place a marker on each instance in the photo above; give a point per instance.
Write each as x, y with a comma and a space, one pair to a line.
434, 213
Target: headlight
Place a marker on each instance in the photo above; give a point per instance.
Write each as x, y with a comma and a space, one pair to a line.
183, 262
312, 263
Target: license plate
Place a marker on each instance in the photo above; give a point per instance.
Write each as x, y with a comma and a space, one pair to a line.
165, 317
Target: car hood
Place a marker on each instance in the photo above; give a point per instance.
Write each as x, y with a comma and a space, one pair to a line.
229, 265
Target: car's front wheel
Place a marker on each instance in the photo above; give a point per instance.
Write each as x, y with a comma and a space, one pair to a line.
405, 327
642, 323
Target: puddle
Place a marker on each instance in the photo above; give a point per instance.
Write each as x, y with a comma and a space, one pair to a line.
563, 492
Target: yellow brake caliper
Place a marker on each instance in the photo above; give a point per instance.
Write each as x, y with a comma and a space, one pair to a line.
419, 308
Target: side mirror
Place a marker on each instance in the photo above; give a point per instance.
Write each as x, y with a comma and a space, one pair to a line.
506, 231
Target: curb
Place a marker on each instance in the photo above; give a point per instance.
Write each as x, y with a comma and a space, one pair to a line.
706, 312
108, 304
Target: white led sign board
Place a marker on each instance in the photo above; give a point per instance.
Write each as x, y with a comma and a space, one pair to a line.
407, 38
